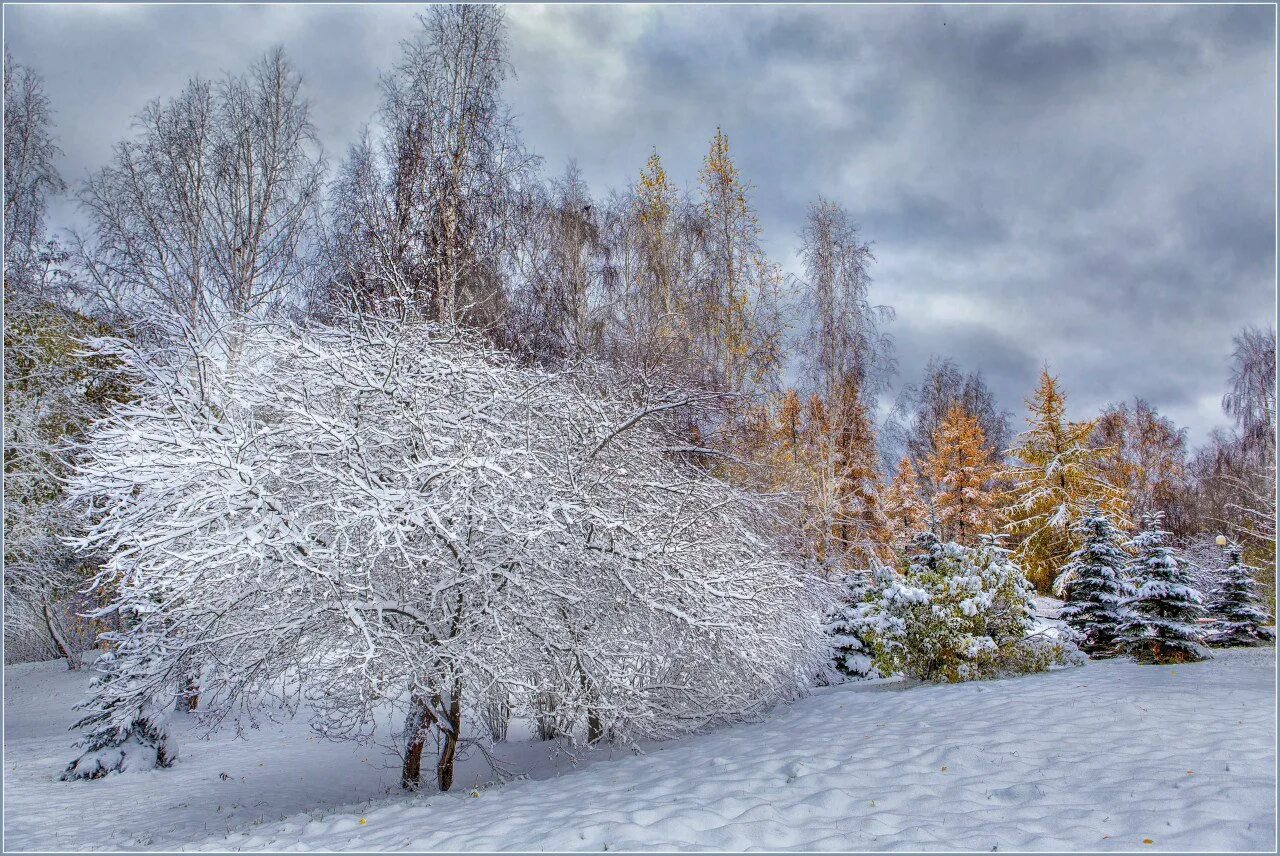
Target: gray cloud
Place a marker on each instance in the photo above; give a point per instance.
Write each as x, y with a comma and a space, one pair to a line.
1091, 187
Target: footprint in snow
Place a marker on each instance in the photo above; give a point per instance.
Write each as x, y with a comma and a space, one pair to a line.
1022, 793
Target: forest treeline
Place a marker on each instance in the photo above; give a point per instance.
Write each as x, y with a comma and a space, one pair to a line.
219, 212
221, 205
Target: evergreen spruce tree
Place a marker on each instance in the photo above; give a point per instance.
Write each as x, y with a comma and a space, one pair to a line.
1162, 627
121, 736
851, 649
1094, 584
1238, 618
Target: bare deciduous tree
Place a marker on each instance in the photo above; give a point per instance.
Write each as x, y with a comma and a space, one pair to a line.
30, 175
437, 198
203, 214
847, 345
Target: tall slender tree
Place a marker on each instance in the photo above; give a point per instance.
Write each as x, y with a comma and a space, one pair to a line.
433, 208
962, 473
1056, 479
738, 289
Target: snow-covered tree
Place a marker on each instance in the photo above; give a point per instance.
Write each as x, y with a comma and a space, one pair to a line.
1239, 619
850, 626
379, 514
1094, 585
1162, 626
1057, 478
958, 613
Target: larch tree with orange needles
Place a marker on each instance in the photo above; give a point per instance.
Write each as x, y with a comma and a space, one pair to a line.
1057, 476
962, 472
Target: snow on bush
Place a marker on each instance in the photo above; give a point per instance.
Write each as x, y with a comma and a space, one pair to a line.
387, 514
958, 613
850, 624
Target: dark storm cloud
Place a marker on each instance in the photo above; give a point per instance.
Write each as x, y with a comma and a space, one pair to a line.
1088, 187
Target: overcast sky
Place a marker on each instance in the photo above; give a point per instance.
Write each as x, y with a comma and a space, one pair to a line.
1091, 187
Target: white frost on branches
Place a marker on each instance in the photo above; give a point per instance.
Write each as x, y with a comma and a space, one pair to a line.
385, 514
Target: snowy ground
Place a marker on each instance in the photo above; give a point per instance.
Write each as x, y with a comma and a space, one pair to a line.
1110, 756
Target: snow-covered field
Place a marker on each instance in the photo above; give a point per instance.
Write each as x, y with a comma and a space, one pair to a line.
1110, 756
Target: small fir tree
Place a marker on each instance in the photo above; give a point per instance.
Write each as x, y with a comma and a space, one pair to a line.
1238, 618
1094, 586
120, 735
1162, 627
849, 627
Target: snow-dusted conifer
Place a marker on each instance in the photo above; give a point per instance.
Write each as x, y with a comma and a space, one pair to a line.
1162, 625
1094, 585
1239, 620
127, 734
849, 626
958, 613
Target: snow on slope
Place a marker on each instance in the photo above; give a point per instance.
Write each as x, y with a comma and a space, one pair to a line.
1105, 757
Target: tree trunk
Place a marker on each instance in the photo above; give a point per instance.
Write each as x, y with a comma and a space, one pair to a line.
449, 749
415, 730
595, 728
189, 696
59, 639
412, 768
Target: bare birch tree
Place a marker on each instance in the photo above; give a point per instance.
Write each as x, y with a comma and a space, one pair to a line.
437, 197
202, 215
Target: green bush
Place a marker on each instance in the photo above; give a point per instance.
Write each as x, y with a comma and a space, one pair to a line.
956, 613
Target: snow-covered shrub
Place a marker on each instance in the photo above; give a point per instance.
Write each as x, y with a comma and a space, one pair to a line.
1094, 585
386, 513
959, 613
133, 743
1161, 626
1238, 619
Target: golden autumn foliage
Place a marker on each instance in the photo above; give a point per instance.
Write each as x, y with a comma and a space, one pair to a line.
656, 202
827, 457
962, 472
742, 340
904, 505
1057, 475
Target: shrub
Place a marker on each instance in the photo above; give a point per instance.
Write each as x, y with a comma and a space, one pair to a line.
957, 613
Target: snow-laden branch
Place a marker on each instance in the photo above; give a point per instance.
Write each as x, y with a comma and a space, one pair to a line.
385, 513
